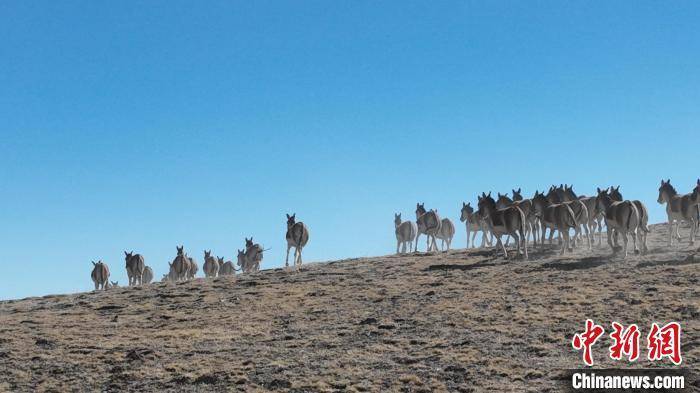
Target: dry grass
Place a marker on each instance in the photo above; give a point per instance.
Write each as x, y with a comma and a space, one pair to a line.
457, 321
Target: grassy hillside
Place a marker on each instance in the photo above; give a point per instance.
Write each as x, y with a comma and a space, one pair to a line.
457, 321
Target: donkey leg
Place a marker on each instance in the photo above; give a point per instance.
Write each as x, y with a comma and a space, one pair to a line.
398, 243
516, 239
566, 243
286, 261
625, 240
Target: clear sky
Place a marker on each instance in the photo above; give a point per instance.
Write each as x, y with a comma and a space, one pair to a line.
144, 125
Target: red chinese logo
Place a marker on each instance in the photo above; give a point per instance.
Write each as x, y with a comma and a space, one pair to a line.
586, 340
662, 342
665, 342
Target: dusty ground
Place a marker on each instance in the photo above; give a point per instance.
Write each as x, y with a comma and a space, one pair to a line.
457, 321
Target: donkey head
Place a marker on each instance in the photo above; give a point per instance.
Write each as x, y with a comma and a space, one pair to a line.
666, 191
128, 255
517, 195
241, 258
397, 219
615, 193
695, 196
467, 211
291, 220
249, 242
420, 209
207, 254
503, 201
486, 205
603, 200
180, 250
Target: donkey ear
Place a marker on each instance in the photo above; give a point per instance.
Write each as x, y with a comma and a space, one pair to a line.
126, 253
489, 194
600, 189
520, 189
465, 205
287, 216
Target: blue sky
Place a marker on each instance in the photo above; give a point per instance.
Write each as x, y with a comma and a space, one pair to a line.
144, 125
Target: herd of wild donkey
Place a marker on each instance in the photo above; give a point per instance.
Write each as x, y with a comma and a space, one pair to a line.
560, 210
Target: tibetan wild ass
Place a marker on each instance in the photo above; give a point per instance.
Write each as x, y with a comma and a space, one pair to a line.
643, 228
227, 268
211, 265
428, 223
446, 233
509, 221
180, 266
194, 267
620, 217
147, 275
100, 275
406, 232
474, 224
254, 252
580, 211
534, 226
297, 236
679, 208
134, 267
555, 216
595, 219
247, 265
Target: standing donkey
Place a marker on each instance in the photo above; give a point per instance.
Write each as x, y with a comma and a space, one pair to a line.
428, 223
620, 217
211, 265
580, 211
406, 232
556, 216
134, 267
534, 226
100, 275
180, 266
643, 228
679, 208
147, 275
446, 233
474, 224
297, 236
509, 221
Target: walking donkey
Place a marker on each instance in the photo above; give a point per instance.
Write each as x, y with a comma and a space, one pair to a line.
180, 266
555, 216
211, 265
446, 233
474, 224
525, 205
580, 211
194, 267
134, 267
503, 202
620, 217
595, 219
297, 236
147, 275
643, 228
226, 268
254, 252
680, 208
428, 223
100, 275
510, 220
406, 232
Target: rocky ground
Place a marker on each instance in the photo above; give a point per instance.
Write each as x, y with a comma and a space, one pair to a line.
465, 320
